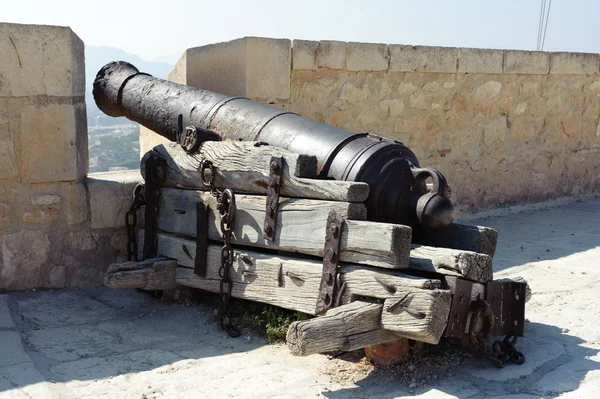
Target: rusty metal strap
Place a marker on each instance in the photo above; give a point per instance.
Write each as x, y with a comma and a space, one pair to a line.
507, 299
330, 284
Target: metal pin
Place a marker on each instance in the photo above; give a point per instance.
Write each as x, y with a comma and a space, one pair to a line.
294, 276
280, 275
249, 273
388, 287
187, 251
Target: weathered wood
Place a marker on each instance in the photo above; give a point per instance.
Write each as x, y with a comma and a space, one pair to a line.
420, 315
469, 265
256, 276
460, 236
150, 274
347, 328
244, 167
300, 226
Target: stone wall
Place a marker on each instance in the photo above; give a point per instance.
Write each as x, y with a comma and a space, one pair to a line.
57, 227
503, 126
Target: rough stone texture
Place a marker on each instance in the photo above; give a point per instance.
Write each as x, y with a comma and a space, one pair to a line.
110, 196
500, 138
304, 54
23, 255
123, 343
49, 144
40, 60
574, 63
405, 58
473, 60
331, 54
268, 64
367, 57
45, 234
526, 62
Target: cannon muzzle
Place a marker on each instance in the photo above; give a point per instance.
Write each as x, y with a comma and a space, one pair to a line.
398, 190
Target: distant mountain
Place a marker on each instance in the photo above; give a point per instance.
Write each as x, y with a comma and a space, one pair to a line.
98, 56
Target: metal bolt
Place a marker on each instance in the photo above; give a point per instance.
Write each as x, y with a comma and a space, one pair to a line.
274, 166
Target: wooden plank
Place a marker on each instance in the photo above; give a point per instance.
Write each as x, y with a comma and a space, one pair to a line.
300, 226
469, 265
421, 316
460, 236
256, 276
347, 328
244, 168
150, 274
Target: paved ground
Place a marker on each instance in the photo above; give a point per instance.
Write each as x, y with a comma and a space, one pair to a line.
108, 343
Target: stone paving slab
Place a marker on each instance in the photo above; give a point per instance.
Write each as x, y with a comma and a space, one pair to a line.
11, 349
6, 320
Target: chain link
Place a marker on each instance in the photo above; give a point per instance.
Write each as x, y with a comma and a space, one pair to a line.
131, 221
226, 208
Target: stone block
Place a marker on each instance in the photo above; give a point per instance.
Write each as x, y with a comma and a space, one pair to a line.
110, 197
49, 143
304, 54
23, 255
77, 203
423, 59
574, 63
367, 57
257, 68
526, 62
179, 72
331, 55
9, 167
40, 60
268, 69
475, 60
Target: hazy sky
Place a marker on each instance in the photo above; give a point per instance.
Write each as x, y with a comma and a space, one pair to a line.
152, 28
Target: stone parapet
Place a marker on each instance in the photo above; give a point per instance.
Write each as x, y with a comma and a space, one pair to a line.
312, 55
47, 238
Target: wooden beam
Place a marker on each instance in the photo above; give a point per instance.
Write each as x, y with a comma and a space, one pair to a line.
244, 167
347, 328
300, 226
150, 274
418, 316
460, 236
284, 281
469, 265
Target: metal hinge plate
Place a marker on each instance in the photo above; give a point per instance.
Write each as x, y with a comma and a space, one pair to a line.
201, 239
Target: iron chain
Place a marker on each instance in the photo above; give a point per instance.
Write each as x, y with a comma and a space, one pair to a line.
131, 221
226, 208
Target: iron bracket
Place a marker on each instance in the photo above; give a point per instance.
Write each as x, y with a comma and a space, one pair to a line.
155, 176
275, 172
328, 289
200, 261
460, 308
507, 299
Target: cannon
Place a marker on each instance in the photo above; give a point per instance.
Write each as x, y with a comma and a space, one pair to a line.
398, 189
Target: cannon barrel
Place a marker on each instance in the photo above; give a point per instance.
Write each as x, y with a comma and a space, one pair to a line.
398, 193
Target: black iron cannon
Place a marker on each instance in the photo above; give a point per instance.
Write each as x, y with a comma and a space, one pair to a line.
398, 191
